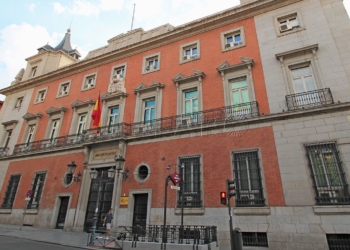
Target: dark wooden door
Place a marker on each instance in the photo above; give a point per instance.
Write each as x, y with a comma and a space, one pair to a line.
140, 210
62, 212
105, 202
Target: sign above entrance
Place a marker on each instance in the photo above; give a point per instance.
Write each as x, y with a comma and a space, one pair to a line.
105, 154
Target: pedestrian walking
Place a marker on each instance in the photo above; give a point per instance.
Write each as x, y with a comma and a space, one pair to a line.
108, 222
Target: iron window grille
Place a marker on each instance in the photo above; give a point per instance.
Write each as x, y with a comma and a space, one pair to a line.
248, 179
338, 241
37, 188
143, 172
254, 239
11, 191
327, 173
190, 193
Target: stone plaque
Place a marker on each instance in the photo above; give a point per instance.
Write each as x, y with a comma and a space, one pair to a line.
105, 154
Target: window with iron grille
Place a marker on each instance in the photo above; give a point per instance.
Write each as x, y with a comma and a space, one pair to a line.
338, 241
327, 173
190, 192
248, 179
10, 193
37, 188
254, 239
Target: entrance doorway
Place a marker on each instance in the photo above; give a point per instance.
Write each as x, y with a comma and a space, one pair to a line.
140, 211
62, 212
105, 199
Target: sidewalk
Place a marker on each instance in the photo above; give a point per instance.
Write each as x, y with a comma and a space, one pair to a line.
54, 236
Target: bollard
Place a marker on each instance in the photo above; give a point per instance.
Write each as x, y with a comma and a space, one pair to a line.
237, 239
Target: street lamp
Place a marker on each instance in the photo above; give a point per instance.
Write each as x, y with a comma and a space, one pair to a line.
119, 160
71, 168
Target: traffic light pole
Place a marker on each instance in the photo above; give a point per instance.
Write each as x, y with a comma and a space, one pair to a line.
230, 221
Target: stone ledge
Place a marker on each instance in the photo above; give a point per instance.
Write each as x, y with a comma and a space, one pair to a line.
5, 211
191, 211
252, 211
321, 210
31, 211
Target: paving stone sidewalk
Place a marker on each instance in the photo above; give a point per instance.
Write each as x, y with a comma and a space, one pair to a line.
54, 236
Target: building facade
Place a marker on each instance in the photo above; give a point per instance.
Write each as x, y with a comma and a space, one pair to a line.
258, 93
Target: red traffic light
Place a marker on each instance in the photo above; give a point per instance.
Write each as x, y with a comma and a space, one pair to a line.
223, 198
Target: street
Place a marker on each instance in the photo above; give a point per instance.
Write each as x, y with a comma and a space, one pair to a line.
10, 243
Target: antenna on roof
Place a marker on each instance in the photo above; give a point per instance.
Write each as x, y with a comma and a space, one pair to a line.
70, 26
132, 22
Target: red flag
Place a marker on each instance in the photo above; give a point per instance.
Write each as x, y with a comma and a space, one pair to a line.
96, 113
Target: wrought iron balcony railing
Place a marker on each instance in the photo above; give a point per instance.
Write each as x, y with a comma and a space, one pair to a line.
4, 151
196, 235
172, 123
310, 99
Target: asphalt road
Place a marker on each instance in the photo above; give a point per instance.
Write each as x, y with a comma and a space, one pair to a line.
10, 243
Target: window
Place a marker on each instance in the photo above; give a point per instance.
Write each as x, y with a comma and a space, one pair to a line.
40, 96
33, 72
119, 72
113, 119
327, 173
239, 91
37, 188
288, 23
89, 81
254, 239
8, 137
31, 130
232, 39
63, 89
190, 101
142, 173
149, 111
338, 241
191, 177
18, 102
81, 123
151, 63
54, 129
303, 80
11, 191
189, 51
248, 179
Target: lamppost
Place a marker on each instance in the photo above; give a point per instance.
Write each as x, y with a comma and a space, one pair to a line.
169, 177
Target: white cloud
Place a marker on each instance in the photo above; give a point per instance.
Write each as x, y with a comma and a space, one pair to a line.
58, 8
18, 42
32, 7
85, 8
108, 5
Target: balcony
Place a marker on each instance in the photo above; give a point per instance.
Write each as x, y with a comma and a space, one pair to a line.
121, 130
310, 99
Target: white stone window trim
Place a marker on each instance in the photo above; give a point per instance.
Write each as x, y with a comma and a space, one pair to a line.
78, 110
56, 208
118, 66
38, 98
33, 71
286, 16
136, 173
58, 114
298, 58
224, 34
143, 93
190, 45
85, 78
111, 102
148, 58
62, 91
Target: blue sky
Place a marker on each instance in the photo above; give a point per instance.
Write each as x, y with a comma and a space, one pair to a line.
26, 25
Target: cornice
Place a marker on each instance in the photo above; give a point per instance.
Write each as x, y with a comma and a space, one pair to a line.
8, 123
29, 116
180, 78
195, 27
225, 66
52, 110
79, 104
112, 96
141, 88
310, 49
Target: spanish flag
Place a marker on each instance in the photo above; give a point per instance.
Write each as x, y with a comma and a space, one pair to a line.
96, 113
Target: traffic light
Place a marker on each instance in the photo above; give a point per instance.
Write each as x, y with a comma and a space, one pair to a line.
230, 187
223, 198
